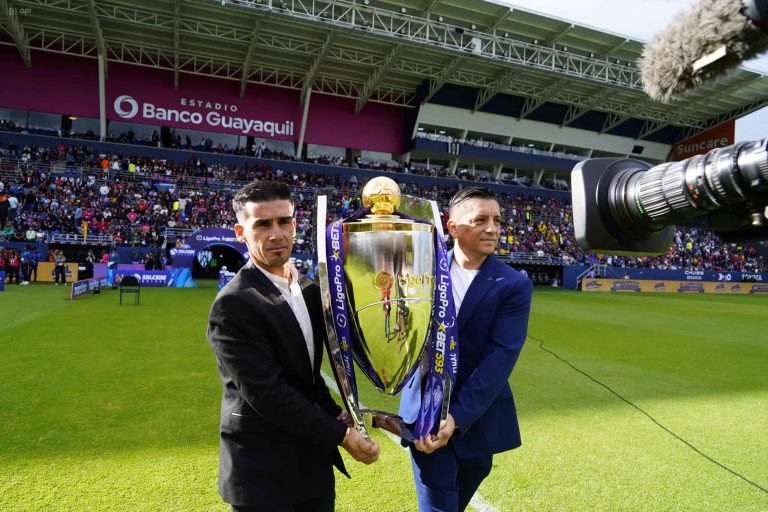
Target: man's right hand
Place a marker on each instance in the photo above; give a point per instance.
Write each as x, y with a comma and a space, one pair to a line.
360, 448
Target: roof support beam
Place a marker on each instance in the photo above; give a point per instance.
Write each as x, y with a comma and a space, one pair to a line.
532, 104
430, 7
249, 56
97, 34
728, 116
176, 16
10, 16
501, 83
452, 166
651, 127
614, 120
375, 79
497, 171
315, 68
575, 113
613, 49
693, 105
501, 19
442, 78
559, 37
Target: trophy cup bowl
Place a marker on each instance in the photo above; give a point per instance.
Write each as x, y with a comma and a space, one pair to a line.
389, 264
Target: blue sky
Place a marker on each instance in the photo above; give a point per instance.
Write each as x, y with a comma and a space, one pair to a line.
641, 19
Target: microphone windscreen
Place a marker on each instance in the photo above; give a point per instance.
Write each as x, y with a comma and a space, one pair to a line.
668, 65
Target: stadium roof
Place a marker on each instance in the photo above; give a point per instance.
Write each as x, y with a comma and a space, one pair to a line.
400, 52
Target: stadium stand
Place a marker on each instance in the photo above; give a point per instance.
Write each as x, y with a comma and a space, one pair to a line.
441, 94
75, 190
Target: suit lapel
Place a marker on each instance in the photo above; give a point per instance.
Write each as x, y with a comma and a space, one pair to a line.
283, 314
483, 282
312, 299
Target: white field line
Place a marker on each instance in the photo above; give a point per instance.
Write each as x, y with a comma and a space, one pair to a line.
478, 502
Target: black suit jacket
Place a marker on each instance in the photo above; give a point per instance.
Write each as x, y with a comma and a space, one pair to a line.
279, 432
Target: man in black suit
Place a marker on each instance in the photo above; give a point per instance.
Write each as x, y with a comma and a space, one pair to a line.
280, 427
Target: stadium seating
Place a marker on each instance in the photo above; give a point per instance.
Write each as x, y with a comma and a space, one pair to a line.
75, 190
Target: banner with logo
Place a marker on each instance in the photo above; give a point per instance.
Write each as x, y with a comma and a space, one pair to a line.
88, 285
657, 286
200, 114
63, 84
45, 271
718, 137
145, 277
184, 253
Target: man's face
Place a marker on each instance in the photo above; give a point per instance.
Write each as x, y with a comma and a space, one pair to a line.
475, 226
267, 229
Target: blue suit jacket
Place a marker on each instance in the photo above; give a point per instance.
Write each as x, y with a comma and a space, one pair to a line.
493, 325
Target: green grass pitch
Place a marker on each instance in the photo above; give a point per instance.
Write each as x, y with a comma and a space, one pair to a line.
115, 408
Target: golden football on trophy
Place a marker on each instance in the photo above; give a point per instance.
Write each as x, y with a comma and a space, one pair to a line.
381, 196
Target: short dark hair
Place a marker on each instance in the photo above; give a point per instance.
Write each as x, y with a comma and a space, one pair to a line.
465, 194
260, 192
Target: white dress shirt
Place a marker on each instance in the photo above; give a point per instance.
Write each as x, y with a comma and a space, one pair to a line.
461, 278
294, 298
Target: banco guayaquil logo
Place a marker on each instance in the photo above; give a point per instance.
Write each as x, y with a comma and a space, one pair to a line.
133, 106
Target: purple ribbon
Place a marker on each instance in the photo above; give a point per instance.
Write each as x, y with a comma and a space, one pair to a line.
443, 348
338, 282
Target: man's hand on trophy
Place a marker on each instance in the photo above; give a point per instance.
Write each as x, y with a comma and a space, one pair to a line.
361, 448
432, 442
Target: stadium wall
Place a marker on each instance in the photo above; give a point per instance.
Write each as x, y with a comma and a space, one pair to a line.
482, 122
572, 272
489, 155
69, 85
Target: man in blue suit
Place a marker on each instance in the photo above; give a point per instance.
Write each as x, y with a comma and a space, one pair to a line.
492, 303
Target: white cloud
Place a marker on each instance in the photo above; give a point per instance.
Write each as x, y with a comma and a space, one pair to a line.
640, 19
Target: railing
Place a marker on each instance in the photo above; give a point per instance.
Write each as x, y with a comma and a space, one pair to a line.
71, 238
600, 270
172, 234
529, 257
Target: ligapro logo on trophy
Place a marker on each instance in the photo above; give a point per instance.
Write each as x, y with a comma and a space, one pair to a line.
215, 115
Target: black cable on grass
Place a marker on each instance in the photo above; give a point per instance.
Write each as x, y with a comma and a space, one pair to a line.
667, 430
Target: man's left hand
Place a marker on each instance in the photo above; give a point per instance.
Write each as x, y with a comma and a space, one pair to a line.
432, 442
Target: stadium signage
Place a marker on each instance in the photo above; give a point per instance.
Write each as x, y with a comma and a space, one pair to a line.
145, 277
215, 238
182, 252
718, 137
127, 107
694, 275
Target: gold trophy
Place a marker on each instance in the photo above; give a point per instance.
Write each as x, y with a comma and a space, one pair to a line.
377, 277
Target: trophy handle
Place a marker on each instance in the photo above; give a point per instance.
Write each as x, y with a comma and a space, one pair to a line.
334, 349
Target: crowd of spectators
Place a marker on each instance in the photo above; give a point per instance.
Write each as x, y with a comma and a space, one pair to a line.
136, 208
81, 155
